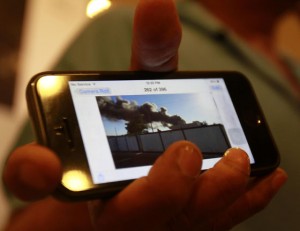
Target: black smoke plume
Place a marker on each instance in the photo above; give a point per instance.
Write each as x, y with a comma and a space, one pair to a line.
138, 117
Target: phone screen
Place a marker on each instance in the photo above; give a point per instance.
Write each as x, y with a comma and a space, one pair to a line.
126, 125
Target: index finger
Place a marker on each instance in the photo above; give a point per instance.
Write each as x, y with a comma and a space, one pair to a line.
156, 36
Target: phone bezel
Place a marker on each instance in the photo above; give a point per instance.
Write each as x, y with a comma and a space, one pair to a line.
44, 121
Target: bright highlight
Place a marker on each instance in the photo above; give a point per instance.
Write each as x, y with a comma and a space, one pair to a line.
75, 180
95, 7
49, 85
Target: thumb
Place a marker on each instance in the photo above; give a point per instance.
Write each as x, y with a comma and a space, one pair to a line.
157, 197
32, 172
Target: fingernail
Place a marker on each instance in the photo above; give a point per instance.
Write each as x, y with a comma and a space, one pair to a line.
238, 158
189, 160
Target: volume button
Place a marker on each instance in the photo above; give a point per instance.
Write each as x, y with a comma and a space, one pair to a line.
68, 133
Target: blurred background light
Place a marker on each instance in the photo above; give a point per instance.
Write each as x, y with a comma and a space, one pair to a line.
95, 7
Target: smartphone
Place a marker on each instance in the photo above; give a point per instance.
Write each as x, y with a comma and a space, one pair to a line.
108, 128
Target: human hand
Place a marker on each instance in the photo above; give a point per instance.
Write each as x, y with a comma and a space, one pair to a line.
173, 195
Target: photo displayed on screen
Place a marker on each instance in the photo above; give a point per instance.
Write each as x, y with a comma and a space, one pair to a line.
126, 125
139, 128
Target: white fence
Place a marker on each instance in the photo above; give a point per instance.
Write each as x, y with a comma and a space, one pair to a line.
211, 139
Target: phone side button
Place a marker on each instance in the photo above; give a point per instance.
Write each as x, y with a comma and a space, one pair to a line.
64, 130
68, 133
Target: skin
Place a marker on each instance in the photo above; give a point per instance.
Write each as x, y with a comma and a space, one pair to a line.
174, 196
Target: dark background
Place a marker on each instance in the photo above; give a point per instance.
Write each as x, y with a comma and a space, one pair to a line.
11, 21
